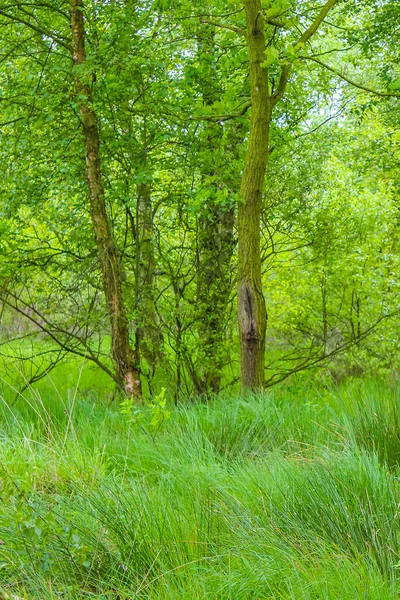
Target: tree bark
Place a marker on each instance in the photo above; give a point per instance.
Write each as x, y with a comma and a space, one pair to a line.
252, 315
128, 373
214, 238
148, 336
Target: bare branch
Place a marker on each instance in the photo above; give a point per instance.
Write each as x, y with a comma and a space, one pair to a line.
313, 361
53, 332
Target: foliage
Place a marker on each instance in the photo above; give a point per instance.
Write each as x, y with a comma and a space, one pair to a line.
169, 87
151, 418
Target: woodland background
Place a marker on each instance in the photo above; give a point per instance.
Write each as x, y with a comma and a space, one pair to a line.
167, 86
199, 300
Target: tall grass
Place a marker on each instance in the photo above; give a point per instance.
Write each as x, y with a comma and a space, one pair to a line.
289, 495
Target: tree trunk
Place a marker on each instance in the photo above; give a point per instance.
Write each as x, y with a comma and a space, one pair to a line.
124, 356
215, 235
214, 238
148, 335
252, 314
251, 304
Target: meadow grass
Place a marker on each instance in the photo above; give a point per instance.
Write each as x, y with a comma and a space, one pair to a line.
293, 494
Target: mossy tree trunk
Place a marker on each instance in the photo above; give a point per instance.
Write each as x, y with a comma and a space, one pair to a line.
215, 242
252, 315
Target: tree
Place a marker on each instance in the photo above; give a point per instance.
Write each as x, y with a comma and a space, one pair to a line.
251, 303
126, 360
160, 100
214, 231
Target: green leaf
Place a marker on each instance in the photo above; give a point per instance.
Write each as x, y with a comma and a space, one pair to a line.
271, 57
394, 85
274, 9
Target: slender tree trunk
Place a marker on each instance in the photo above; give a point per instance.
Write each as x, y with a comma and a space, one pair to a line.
251, 304
178, 359
124, 356
252, 314
324, 293
148, 335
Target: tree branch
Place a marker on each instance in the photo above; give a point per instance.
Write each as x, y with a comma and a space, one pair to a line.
219, 118
276, 23
53, 332
312, 361
221, 26
40, 30
353, 83
305, 37
43, 373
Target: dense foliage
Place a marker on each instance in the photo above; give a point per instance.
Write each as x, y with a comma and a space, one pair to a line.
156, 105
199, 201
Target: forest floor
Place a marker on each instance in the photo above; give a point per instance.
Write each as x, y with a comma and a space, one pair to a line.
293, 494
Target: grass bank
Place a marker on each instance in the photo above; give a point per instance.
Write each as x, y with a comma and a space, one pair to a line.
289, 495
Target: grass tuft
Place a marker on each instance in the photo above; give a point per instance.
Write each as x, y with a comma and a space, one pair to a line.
290, 495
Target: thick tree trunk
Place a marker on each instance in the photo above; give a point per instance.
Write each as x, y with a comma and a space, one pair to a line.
251, 304
214, 240
252, 315
124, 356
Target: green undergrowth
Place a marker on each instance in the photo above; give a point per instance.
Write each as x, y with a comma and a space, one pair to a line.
293, 494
